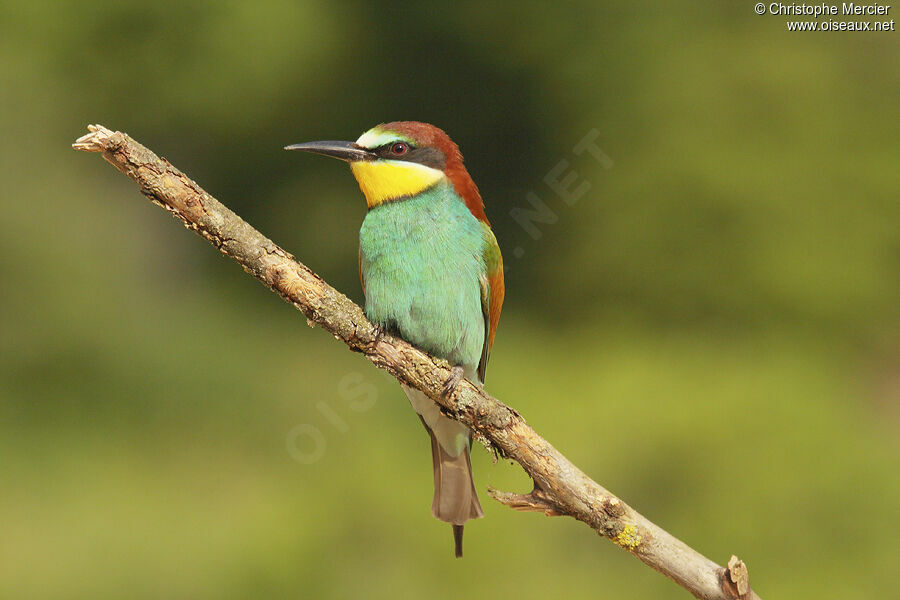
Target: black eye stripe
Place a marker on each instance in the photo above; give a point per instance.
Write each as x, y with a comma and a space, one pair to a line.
428, 156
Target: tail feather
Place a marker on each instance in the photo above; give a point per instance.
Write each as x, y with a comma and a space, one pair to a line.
457, 539
455, 499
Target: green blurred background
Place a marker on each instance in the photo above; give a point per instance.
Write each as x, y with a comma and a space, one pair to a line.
712, 331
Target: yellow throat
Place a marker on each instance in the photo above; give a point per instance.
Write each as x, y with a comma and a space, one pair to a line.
385, 180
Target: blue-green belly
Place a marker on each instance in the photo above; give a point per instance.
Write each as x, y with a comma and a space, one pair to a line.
421, 261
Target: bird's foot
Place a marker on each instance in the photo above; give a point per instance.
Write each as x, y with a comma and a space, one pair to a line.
456, 375
377, 333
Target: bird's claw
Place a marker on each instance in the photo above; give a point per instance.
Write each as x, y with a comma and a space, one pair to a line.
456, 375
377, 333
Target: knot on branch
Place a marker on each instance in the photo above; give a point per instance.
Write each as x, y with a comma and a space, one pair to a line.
536, 501
612, 506
736, 579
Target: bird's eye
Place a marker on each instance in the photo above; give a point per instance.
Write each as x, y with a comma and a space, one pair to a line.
399, 149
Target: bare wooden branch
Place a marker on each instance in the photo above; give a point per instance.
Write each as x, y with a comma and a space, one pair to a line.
560, 487
535, 501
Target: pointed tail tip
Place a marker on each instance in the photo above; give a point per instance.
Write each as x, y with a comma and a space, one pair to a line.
457, 538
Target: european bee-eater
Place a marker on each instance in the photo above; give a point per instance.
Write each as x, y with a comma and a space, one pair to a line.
432, 273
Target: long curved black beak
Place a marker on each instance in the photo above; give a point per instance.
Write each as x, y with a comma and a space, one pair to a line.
347, 151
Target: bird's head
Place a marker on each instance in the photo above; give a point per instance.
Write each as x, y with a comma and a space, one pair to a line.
398, 160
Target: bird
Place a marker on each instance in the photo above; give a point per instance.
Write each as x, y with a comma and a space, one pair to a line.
432, 273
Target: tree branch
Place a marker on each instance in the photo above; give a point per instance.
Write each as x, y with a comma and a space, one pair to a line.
560, 487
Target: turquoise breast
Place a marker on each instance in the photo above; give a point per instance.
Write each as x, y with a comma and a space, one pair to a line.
421, 261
